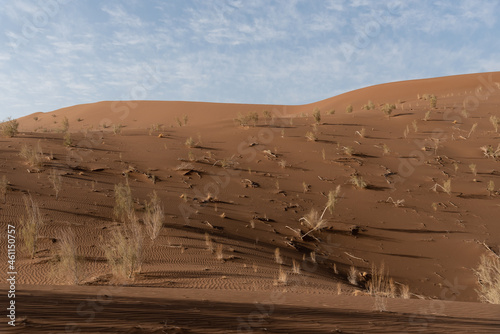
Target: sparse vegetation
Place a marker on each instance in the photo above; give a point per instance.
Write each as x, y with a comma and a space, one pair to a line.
433, 101
473, 169
245, 120
386, 149
68, 267
446, 187
65, 125
30, 222
154, 216
348, 150
4, 188
311, 136
317, 115
349, 109
277, 256
427, 115
331, 112
352, 276
190, 143
9, 128
67, 141
117, 129
491, 187
369, 106
495, 121
32, 155
490, 152
124, 205
56, 180
472, 130
488, 276
388, 108
358, 181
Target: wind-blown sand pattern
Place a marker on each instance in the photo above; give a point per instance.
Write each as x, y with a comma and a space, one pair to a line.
247, 186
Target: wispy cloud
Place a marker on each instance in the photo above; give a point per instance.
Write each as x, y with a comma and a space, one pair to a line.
284, 51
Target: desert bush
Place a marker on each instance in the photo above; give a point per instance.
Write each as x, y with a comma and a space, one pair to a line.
68, 267
386, 149
472, 130
4, 188
317, 115
311, 136
473, 169
331, 112
154, 216
32, 155
488, 276
277, 256
349, 109
244, 120
352, 276
313, 220
446, 187
124, 250
30, 222
427, 115
9, 128
124, 205
388, 108
433, 101
491, 187
348, 150
56, 180
117, 129
369, 106
495, 121
358, 181
490, 152
380, 284
190, 142
67, 141
65, 124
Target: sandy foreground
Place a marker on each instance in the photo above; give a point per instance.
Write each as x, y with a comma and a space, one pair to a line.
234, 193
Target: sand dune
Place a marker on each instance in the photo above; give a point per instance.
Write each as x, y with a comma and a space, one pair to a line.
234, 193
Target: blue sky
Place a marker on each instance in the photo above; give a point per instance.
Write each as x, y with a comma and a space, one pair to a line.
57, 53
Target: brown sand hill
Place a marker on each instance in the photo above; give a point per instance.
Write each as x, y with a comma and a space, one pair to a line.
247, 187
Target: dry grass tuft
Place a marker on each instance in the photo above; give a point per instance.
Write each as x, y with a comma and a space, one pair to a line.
311, 136
124, 205
56, 180
358, 181
277, 256
30, 223
488, 276
9, 128
69, 268
154, 216
32, 155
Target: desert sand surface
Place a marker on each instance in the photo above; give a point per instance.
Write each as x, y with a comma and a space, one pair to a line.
234, 193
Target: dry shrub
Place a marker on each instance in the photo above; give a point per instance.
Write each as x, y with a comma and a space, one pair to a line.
30, 223
9, 128
56, 180
488, 276
32, 155
69, 268
124, 205
154, 216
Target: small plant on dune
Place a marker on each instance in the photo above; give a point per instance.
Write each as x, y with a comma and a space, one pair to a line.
446, 187
433, 101
415, 125
352, 276
282, 276
68, 267
464, 113
4, 188
361, 133
386, 149
65, 124
490, 152
305, 187
219, 254
313, 220
388, 108
404, 291
277, 256
32, 155
267, 115
190, 143
317, 115
380, 284
179, 121
117, 129
154, 216
331, 112
185, 119
209, 243
282, 163
488, 276
495, 121
124, 250
348, 150
124, 205
358, 181
9, 128
311, 136
491, 187
473, 169
427, 115
369, 106
349, 109
67, 141
56, 180
30, 222
472, 130
296, 267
